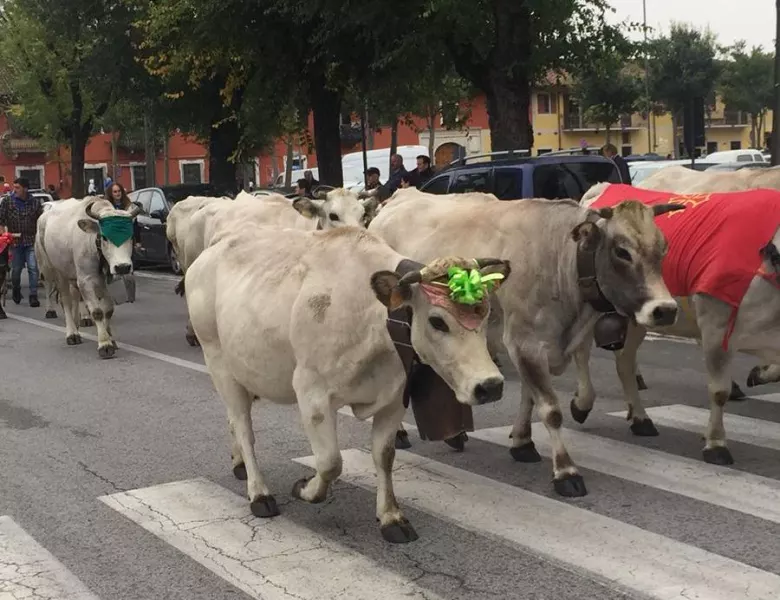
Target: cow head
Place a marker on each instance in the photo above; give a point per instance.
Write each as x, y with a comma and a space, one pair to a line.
448, 335
114, 234
337, 208
628, 250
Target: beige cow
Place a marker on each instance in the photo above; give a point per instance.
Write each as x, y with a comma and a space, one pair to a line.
545, 315
292, 317
677, 178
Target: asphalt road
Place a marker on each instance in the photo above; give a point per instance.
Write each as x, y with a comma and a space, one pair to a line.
115, 483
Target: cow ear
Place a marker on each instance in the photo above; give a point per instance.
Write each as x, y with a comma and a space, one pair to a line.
88, 226
308, 208
587, 235
388, 291
504, 268
605, 213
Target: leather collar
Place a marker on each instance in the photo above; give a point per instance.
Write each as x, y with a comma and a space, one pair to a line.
588, 282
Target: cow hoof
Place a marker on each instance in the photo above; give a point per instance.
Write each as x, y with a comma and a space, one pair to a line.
114, 345
570, 486
106, 351
736, 395
579, 415
192, 340
644, 428
239, 472
74, 340
51, 314
640, 383
754, 377
457, 442
401, 532
86, 323
719, 455
264, 507
402, 440
297, 491
526, 453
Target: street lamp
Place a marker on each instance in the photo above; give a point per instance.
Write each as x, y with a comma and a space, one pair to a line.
647, 76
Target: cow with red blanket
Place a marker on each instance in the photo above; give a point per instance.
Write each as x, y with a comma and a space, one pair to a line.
724, 264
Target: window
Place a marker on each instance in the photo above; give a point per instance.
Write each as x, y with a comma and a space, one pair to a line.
625, 150
736, 145
542, 151
508, 184
571, 180
712, 147
157, 202
625, 138
98, 176
474, 181
545, 104
33, 176
744, 158
438, 185
191, 171
138, 175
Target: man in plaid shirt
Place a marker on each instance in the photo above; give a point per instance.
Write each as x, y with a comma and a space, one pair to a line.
19, 214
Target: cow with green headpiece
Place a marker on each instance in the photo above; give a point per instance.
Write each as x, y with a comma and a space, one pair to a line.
82, 247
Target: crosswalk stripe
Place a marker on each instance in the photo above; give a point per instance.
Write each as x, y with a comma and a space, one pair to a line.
272, 559
738, 428
635, 559
720, 486
775, 398
28, 570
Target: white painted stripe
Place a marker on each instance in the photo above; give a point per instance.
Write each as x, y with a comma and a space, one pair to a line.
179, 362
159, 276
740, 429
272, 559
720, 486
28, 570
662, 337
775, 398
621, 554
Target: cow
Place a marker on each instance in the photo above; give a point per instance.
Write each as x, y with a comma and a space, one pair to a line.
177, 224
292, 317
677, 178
81, 245
336, 208
732, 296
573, 270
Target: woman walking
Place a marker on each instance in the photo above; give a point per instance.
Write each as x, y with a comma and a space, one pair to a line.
116, 194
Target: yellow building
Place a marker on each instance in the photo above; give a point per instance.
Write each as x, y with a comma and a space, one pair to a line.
559, 124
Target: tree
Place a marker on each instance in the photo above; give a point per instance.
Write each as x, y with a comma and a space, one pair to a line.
747, 85
68, 62
682, 67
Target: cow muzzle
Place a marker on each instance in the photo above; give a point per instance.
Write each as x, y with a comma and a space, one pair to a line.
123, 269
489, 390
658, 313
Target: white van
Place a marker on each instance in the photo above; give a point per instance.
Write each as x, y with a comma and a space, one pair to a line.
728, 156
352, 163
296, 175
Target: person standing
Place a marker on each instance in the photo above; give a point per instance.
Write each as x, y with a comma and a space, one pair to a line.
19, 216
422, 173
610, 151
117, 196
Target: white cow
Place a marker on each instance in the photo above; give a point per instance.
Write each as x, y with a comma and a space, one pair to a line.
337, 208
177, 224
677, 178
545, 308
292, 317
77, 260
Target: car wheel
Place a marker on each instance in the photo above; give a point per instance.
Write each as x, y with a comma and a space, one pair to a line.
174, 261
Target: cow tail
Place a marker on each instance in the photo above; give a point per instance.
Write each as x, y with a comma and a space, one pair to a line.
179, 289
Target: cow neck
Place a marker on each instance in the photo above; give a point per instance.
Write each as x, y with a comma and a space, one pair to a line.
103, 267
588, 283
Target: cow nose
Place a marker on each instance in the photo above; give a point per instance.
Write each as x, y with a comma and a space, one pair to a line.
665, 315
124, 269
489, 390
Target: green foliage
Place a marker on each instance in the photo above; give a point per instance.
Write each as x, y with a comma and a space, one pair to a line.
747, 81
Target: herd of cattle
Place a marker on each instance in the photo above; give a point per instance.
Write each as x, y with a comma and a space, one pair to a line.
289, 302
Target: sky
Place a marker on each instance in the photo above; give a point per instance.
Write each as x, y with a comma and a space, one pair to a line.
731, 20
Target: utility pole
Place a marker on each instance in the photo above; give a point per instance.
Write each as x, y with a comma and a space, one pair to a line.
776, 107
647, 77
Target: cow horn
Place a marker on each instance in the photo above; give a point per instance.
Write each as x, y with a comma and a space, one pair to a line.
88, 210
410, 278
662, 209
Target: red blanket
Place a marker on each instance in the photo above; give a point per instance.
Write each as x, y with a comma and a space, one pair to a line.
714, 243
6, 239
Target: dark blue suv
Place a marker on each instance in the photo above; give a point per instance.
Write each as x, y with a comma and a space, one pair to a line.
511, 176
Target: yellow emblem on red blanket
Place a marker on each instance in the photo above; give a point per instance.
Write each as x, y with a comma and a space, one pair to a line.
688, 200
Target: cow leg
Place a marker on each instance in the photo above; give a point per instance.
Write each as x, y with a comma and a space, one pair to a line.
583, 400
717, 362
523, 448
101, 310
70, 308
319, 422
85, 319
625, 362
190, 336
763, 374
393, 525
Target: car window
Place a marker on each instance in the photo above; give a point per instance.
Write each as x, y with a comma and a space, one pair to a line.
438, 185
474, 181
144, 199
744, 158
571, 179
508, 184
157, 203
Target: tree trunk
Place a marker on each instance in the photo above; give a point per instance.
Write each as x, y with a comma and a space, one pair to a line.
223, 143
289, 161
753, 131
326, 106
114, 159
776, 107
431, 132
675, 135
149, 150
166, 166
78, 150
393, 139
508, 104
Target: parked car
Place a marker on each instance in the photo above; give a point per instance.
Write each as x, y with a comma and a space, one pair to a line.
156, 203
737, 166
512, 175
745, 155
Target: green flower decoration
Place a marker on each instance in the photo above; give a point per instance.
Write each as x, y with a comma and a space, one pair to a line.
470, 287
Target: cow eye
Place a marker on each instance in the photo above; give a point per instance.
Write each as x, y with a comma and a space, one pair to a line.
333, 217
439, 324
623, 254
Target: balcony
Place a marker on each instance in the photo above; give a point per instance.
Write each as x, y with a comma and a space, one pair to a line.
576, 122
730, 118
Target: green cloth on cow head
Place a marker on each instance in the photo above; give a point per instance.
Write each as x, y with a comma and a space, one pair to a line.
116, 229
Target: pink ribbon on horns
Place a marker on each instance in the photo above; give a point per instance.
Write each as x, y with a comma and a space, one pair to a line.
470, 317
